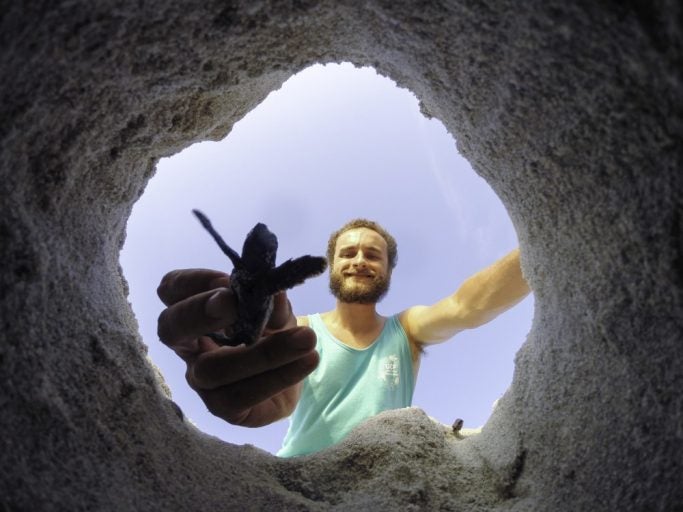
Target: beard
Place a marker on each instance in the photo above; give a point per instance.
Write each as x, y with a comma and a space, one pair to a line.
366, 292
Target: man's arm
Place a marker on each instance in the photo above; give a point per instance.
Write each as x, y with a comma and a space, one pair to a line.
479, 300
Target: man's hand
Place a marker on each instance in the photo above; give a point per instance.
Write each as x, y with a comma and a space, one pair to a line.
249, 386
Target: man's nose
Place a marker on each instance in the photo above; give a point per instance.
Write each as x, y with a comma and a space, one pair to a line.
359, 259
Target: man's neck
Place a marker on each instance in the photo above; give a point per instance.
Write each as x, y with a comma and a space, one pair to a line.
357, 319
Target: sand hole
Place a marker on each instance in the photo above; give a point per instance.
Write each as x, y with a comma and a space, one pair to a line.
333, 143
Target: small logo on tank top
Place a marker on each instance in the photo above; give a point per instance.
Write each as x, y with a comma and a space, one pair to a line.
389, 371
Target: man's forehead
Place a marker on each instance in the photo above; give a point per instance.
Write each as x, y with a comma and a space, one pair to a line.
363, 236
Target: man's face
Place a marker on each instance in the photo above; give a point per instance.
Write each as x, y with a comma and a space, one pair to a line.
360, 270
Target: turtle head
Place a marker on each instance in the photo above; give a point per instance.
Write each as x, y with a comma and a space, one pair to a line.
260, 249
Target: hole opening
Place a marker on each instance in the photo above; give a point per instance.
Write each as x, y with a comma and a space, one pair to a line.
334, 143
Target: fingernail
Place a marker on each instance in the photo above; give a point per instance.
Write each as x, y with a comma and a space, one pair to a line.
217, 305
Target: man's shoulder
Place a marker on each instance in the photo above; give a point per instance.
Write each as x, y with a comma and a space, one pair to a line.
404, 316
302, 321
305, 320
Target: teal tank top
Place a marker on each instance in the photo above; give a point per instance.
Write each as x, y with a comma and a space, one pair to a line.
349, 386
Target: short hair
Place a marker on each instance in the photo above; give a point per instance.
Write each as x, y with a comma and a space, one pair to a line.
392, 248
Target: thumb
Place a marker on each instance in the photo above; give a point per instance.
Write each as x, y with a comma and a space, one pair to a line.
282, 316
206, 344
190, 353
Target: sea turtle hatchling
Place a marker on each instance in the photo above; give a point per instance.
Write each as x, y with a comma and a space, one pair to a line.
255, 279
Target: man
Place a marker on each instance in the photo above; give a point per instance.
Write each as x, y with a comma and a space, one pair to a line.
368, 363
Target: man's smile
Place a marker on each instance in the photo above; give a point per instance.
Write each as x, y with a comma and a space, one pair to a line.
359, 275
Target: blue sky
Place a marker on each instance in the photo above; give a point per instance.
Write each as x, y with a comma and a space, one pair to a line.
334, 143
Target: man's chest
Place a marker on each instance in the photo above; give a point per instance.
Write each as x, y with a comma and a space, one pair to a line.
359, 341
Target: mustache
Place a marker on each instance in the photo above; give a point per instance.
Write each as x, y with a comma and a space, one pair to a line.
360, 273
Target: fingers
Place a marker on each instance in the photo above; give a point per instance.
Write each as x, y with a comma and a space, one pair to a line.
282, 316
182, 322
181, 284
227, 365
252, 386
253, 396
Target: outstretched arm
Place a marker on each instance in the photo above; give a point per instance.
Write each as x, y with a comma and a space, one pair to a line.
479, 300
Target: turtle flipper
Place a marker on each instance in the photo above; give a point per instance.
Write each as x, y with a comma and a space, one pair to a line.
227, 250
294, 272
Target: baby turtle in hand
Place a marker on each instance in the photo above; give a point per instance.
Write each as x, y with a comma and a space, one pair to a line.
255, 279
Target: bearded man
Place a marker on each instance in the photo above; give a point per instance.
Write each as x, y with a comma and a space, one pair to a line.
329, 371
